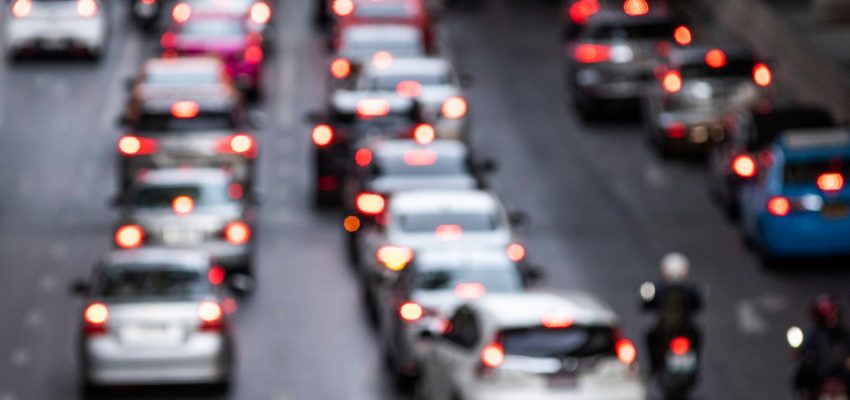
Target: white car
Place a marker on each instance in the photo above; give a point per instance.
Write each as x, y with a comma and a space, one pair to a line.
431, 81
56, 25
531, 346
359, 45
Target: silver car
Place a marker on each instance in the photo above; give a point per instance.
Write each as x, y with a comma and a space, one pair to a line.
56, 25
154, 316
359, 45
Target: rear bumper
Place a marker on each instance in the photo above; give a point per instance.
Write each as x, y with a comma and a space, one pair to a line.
805, 235
619, 391
241, 167
60, 34
610, 83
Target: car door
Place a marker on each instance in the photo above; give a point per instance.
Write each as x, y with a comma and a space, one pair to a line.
451, 353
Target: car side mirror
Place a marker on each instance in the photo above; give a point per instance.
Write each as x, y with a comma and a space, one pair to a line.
80, 287
466, 80
315, 117
518, 218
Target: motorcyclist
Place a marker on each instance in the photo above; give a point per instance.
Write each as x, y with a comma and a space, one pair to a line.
676, 301
825, 352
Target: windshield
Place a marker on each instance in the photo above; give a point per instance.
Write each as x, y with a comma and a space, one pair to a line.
184, 78
807, 173
375, 9
204, 121
495, 280
429, 222
163, 196
366, 49
565, 342
390, 83
161, 281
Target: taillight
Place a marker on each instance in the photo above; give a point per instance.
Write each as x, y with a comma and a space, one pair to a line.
86, 8
237, 233
382, 59
744, 166
409, 89
181, 12
626, 351
370, 203
676, 130
22, 8
216, 275
424, 133
581, 10
831, 182
715, 58
363, 157
371, 108
516, 252
235, 191
393, 257
493, 355
343, 8
683, 36
592, 53
95, 317
241, 143
470, 290
557, 321
168, 40
411, 311
129, 236
419, 157
762, 75
211, 316
253, 54
185, 109
672, 81
680, 346
136, 146
779, 206
322, 135
340, 68
454, 107
448, 232
182, 205
636, 8
261, 13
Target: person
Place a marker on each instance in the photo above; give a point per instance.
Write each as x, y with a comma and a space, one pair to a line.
676, 301
825, 352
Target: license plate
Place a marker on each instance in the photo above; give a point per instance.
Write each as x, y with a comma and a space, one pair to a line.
684, 363
835, 211
562, 381
181, 236
151, 334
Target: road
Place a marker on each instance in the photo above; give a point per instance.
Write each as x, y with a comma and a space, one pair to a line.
604, 209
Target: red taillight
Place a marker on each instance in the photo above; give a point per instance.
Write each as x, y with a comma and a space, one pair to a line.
592, 53
253, 54
22, 8
636, 8
424, 133
129, 236
680, 346
419, 157
241, 143
470, 290
581, 10
182, 205
408, 88
831, 182
235, 191
516, 252
762, 75
216, 275
683, 36
323, 135
715, 58
454, 107
95, 317
363, 157
448, 232
185, 109
676, 130
779, 206
211, 316
168, 40
393, 257
86, 8
411, 311
370, 203
382, 59
181, 12
340, 68
136, 146
343, 8
626, 351
492, 355
557, 321
261, 13
672, 81
237, 232
744, 166
370, 108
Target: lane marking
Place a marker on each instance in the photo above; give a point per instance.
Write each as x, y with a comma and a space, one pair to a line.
20, 358
58, 250
33, 319
654, 175
750, 321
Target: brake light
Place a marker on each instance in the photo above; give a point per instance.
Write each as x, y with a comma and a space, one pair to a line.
129, 236
492, 355
340, 68
557, 321
715, 58
210, 314
744, 166
370, 108
370, 203
136, 146
241, 143
424, 133
363, 157
216, 275
323, 135
448, 232
393, 257
235, 191
680, 346
185, 109
408, 88
182, 205
516, 252
592, 53
454, 107
581, 10
683, 36
636, 8
181, 12
420, 157
411, 311
237, 232
382, 59
22, 8
626, 351
762, 75
261, 13
779, 206
672, 81
343, 8
676, 130
168, 40
470, 290
253, 54
95, 317
86, 8
830, 182
148, 2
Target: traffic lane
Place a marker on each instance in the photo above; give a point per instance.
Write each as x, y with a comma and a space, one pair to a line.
605, 208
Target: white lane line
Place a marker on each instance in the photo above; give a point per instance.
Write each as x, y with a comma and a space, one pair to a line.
7, 396
20, 358
33, 319
58, 250
47, 283
654, 175
750, 321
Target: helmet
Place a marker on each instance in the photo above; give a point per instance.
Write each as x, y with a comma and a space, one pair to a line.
825, 310
675, 267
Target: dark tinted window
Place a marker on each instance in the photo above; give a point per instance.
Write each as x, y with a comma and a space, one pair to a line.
732, 69
425, 222
494, 280
566, 342
807, 173
163, 196
390, 82
649, 31
768, 126
410, 166
204, 121
152, 281
212, 28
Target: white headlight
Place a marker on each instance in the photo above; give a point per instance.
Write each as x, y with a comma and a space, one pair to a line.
621, 54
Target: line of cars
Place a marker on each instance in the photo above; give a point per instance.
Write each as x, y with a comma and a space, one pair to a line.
777, 164
440, 258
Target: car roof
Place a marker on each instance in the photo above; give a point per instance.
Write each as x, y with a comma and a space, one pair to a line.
447, 200
381, 33
184, 176
803, 140
396, 148
415, 65
192, 64
346, 100
194, 259
483, 258
530, 309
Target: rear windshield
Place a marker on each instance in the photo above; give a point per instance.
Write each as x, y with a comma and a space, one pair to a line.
807, 173
163, 196
649, 31
366, 49
390, 82
499, 280
162, 281
217, 28
204, 121
566, 342
468, 222
769, 126
405, 166
385, 9
187, 78
732, 69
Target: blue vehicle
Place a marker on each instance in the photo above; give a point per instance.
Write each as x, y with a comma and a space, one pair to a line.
798, 203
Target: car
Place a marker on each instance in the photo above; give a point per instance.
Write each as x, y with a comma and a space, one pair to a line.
733, 160
56, 25
433, 82
193, 208
534, 345
154, 316
185, 112
353, 117
225, 37
697, 86
255, 14
575, 14
359, 45
146, 13
410, 13
428, 291
797, 203
612, 60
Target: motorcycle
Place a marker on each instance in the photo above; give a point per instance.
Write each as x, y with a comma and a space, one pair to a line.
830, 386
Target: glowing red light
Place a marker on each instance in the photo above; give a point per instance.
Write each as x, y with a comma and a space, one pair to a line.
181, 12
683, 35
370, 203
581, 10
86, 8
470, 290
323, 135
343, 8
779, 206
454, 107
96, 314
744, 166
370, 108
636, 7
261, 13
363, 157
762, 75
129, 236
420, 157
516, 252
424, 134
626, 351
237, 233
557, 321
393, 257
253, 54
185, 109
492, 355
216, 275
136, 146
22, 8
448, 232
340, 68
592, 53
411, 311
831, 182
672, 81
183, 205
408, 88
680, 346
715, 58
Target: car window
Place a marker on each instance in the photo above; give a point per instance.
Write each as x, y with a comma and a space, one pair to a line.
574, 341
163, 196
183, 78
366, 49
466, 221
807, 173
501, 280
385, 9
732, 69
463, 329
390, 83
420, 162
145, 281
212, 28
205, 121
657, 31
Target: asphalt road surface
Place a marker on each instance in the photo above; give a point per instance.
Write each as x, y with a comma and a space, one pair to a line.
604, 209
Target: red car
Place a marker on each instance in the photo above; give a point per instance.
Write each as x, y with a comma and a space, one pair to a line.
396, 12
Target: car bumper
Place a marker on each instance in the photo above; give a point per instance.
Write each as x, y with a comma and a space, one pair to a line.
806, 235
241, 167
630, 391
49, 34
612, 84
456, 129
